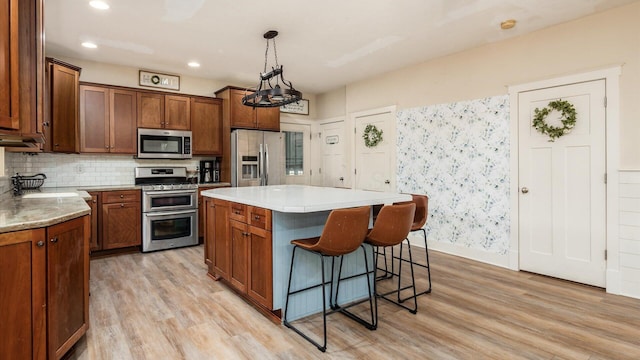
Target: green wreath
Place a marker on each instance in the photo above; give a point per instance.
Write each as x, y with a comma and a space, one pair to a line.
568, 119
372, 136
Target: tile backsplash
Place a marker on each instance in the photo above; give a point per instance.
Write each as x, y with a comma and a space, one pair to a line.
84, 170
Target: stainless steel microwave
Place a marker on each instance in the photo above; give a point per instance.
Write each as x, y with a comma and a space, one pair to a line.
164, 144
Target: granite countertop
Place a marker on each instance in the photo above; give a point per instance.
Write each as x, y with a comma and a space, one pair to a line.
18, 213
303, 198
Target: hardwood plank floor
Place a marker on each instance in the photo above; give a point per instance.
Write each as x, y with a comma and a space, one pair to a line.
163, 306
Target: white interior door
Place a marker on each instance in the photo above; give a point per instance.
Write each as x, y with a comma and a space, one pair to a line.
375, 166
562, 199
297, 150
334, 169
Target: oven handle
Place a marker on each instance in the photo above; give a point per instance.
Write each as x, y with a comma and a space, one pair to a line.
176, 192
164, 213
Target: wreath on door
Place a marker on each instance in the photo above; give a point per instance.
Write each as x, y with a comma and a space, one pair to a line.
568, 118
372, 136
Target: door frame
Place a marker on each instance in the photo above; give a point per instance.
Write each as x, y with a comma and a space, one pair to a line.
353, 137
612, 112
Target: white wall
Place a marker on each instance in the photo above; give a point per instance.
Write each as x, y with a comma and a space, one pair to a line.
629, 232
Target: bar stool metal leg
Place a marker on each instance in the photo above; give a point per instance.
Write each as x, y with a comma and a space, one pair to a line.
322, 347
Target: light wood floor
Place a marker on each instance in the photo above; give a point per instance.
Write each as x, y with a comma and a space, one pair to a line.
162, 306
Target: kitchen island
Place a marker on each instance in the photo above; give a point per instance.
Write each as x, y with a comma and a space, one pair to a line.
248, 233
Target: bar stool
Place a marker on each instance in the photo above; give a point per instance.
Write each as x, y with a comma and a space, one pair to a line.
343, 233
391, 228
419, 220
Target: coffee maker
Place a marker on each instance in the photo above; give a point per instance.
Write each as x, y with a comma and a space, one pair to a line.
209, 171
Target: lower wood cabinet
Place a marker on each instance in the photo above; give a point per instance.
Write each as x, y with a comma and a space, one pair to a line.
121, 219
45, 274
116, 220
238, 243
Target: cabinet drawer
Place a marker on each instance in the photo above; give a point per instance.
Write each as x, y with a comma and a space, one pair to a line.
238, 212
119, 196
260, 217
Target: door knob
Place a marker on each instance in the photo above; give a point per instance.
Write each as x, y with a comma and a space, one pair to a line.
524, 190
387, 182
341, 178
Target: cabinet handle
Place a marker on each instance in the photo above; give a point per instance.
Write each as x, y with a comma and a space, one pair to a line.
257, 217
56, 144
54, 240
236, 212
40, 243
121, 196
121, 205
94, 201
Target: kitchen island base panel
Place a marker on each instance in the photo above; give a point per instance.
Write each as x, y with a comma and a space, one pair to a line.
290, 226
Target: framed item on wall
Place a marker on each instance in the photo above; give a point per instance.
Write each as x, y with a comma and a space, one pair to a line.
301, 107
158, 80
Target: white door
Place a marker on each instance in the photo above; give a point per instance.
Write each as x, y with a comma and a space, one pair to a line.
334, 169
562, 199
375, 166
297, 150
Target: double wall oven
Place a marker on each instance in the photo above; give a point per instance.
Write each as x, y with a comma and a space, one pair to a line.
169, 208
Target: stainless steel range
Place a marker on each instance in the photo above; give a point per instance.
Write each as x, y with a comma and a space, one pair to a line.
169, 208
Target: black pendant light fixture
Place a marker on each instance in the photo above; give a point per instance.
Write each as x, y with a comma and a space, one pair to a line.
272, 90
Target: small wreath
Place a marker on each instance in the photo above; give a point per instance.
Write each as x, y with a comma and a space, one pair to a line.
372, 136
568, 119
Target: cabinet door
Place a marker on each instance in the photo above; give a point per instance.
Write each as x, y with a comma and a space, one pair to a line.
67, 284
9, 71
239, 257
94, 119
260, 282
22, 295
268, 118
241, 116
177, 112
121, 225
122, 122
150, 110
94, 204
218, 234
206, 125
64, 109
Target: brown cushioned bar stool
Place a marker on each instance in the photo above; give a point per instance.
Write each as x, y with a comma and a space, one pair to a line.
343, 233
391, 228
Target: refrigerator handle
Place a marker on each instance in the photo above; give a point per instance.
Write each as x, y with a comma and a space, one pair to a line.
260, 167
266, 165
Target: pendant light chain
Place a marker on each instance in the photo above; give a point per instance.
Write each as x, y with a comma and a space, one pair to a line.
266, 54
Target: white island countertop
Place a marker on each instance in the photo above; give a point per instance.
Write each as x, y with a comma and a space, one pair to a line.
302, 198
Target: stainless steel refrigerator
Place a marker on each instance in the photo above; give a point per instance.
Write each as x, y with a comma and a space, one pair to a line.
257, 158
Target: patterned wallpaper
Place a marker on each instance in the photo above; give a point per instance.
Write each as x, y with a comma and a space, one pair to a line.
458, 154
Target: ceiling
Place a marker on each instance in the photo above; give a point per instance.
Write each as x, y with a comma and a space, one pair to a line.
322, 45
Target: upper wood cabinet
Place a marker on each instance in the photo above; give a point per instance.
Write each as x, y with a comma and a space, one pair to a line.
21, 69
160, 111
62, 112
246, 117
9, 72
150, 110
177, 112
107, 120
206, 126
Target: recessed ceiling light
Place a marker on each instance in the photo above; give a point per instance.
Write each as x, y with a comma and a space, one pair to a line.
89, 45
100, 5
194, 64
507, 24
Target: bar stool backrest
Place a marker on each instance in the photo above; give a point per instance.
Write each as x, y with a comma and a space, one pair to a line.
422, 210
392, 225
344, 231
